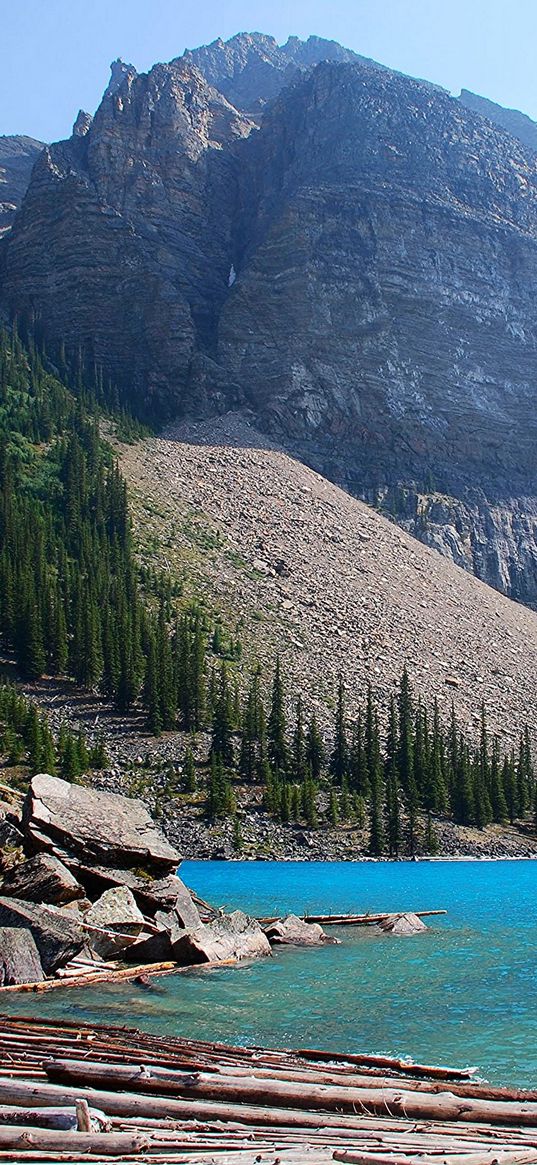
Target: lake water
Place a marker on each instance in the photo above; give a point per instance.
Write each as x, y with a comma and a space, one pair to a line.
462, 993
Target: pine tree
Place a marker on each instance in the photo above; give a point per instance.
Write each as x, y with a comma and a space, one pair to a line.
315, 751
276, 729
339, 758
221, 742
298, 760
391, 776
376, 828
333, 809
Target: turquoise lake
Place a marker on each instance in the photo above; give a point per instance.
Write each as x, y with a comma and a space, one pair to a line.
462, 993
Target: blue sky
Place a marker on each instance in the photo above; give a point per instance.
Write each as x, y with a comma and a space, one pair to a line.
55, 54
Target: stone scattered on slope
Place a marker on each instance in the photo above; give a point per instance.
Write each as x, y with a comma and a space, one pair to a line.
58, 937
402, 924
19, 957
93, 825
116, 909
294, 931
232, 936
354, 579
42, 878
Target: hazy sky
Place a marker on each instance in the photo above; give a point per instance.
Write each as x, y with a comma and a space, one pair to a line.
55, 54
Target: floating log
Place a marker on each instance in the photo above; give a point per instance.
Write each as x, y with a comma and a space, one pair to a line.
405, 1066
352, 919
527, 1157
202, 1086
124, 973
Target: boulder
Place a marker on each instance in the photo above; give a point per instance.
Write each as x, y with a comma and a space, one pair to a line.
231, 936
19, 957
169, 894
94, 827
151, 948
293, 931
58, 937
42, 879
402, 924
116, 910
152, 895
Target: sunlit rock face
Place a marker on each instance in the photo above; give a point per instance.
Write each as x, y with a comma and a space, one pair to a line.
122, 245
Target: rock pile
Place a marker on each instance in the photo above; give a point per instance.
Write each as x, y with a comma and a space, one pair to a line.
96, 881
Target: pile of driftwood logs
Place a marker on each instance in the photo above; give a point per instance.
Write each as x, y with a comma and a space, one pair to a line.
72, 1092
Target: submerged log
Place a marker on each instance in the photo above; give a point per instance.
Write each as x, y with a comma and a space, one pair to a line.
405, 1066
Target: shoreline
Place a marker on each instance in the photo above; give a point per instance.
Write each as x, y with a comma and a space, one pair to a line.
358, 861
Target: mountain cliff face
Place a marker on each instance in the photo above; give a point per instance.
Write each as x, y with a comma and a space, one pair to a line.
519, 125
122, 244
356, 267
17, 156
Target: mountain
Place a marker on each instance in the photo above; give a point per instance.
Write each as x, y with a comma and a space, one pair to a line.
519, 125
355, 266
251, 68
17, 156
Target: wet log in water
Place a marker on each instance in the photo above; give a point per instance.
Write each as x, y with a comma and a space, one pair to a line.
352, 919
167, 1100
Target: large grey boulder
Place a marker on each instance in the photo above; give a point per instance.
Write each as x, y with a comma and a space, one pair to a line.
293, 931
116, 909
169, 894
58, 937
19, 957
232, 936
42, 878
92, 826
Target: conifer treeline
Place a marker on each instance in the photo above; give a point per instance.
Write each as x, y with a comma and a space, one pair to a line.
70, 595
417, 765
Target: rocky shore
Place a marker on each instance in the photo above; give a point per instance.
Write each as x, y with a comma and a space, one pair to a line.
89, 891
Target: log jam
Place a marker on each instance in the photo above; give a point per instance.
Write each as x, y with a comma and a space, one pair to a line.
71, 1091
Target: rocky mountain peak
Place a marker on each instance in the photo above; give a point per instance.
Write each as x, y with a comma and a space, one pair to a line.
82, 123
119, 70
519, 125
252, 68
